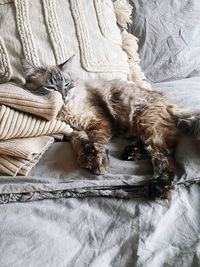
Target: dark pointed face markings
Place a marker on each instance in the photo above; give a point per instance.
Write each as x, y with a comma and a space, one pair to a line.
52, 78
60, 83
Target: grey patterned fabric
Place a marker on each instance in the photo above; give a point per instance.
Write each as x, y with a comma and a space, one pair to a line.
169, 38
116, 191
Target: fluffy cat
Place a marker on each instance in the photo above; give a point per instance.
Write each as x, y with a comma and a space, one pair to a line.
99, 109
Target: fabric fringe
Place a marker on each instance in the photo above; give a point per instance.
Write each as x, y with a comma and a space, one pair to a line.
123, 12
130, 46
136, 75
53, 28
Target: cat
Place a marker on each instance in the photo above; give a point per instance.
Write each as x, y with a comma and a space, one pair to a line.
98, 109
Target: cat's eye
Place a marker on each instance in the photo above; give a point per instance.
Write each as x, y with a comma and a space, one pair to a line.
50, 87
69, 85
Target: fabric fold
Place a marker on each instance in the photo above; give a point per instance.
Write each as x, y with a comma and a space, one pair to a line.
25, 148
26, 156
46, 106
28, 126
16, 124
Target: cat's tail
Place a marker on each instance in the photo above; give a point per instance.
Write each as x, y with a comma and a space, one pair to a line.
189, 122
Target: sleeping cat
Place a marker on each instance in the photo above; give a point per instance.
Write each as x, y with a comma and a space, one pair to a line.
99, 109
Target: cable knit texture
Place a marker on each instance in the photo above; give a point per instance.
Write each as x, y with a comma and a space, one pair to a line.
24, 28
5, 69
54, 31
56, 35
60, 29
89, 61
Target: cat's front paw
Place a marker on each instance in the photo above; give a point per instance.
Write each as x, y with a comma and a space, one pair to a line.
95, 158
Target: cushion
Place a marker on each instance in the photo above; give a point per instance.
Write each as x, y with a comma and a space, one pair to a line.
169, 38
49, 32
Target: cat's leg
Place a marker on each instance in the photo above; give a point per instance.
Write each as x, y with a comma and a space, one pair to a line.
157, 127
137, 150
94, 157
161, 148
80, 140
89, 155
96, 152
164, 173
90, 146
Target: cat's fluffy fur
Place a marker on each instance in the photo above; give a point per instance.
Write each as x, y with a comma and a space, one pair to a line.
99, 109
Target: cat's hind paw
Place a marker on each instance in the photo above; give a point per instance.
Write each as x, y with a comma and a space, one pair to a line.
159, 189
134, 151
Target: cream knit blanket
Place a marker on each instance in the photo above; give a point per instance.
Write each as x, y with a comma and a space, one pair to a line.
28, 126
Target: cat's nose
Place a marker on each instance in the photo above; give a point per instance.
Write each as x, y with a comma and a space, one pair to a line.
64, 99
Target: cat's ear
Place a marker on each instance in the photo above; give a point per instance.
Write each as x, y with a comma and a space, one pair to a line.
66, 66
29, 69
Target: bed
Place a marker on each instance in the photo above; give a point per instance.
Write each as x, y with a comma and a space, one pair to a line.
51, 217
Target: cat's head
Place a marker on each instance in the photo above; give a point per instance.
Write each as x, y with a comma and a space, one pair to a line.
56, 78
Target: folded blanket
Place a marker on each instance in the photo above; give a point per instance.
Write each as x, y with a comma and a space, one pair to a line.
22, 159
28, 126
25, 148
46, 106
15, 124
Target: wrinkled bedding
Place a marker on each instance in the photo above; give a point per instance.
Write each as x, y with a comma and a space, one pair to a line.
105, 231
169, 38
